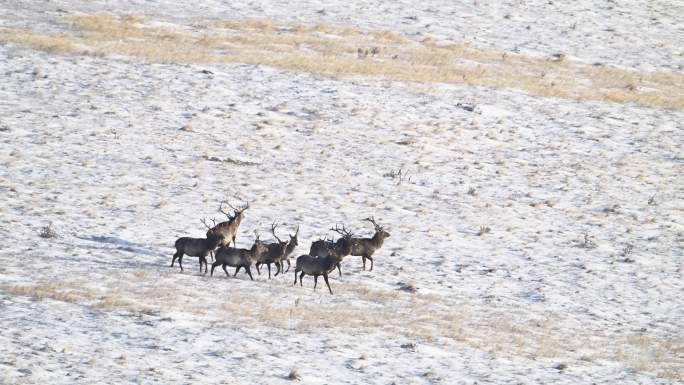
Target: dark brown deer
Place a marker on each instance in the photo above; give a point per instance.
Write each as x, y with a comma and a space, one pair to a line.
274, 254
340, 249
365, 247
195, 247
239, 258
315, 266
294, 242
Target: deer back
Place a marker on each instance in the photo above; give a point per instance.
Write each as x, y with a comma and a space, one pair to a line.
274, 252
316, 266
320, 248
196, 247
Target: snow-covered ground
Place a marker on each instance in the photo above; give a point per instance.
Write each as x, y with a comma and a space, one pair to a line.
579, 279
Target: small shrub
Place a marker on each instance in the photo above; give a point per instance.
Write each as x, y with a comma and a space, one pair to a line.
294, 375
625, 254
483, 230
400, 174
587, 243
47, 232
407, 286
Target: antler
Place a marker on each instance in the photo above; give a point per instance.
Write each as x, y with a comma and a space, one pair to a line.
237, 210
204, 221
223, 212
245, 207
297, 231
342, 231
256, 233
273, 227
372, 220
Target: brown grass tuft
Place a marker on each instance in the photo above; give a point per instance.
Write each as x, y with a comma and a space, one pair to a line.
429, 317
332, 50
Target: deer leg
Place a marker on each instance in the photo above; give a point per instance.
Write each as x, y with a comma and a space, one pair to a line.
288, 265
315, 281
278, 268
338, 269
257, 267
364, 261
269, 270
325, 276
236, 270
224, 269
371, 259
180, 262
300, 278
202, 259
295, 282
249, 272
213, 266
175, 256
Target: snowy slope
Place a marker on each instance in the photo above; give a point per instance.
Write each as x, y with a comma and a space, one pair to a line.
121, 157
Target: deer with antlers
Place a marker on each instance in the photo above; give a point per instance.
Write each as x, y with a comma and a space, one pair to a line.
239, 258
227, 230
366, 247
339, 249
274, 254
316, 266
294, 242
195, 247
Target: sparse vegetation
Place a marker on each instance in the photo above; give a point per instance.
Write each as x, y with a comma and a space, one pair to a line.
407, 286
475, 326
280, 45
625, 254
400, 174
294, 375
483, 230
48, 232
586, 242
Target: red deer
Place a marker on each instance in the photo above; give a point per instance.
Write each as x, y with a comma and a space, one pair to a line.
274, 254
323, 247
228, 229
195, 247
365, 247
239, 258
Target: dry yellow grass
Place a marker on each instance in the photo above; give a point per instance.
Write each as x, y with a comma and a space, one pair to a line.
424, 316
332, 50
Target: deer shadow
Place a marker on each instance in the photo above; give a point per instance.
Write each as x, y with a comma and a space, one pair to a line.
119, 244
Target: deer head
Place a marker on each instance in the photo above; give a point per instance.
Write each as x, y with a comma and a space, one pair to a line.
210, 229
293, 238
239, 212
343, 246
258, 248
379, 231
342, 231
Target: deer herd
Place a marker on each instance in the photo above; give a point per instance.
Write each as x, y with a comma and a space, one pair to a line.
323, 257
